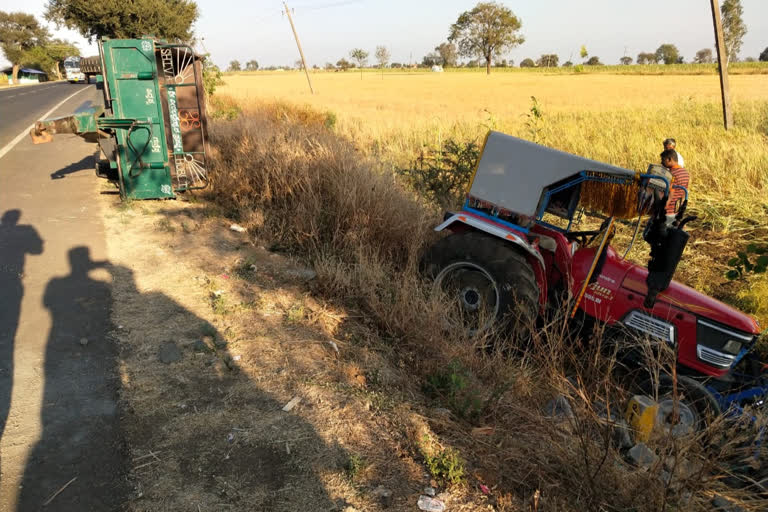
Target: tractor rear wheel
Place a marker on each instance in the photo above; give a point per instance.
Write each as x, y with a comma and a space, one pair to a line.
488, 282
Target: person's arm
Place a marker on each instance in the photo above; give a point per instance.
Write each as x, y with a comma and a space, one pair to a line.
35, 243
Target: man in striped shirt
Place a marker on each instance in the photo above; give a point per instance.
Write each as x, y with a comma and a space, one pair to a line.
680, 178
672, 144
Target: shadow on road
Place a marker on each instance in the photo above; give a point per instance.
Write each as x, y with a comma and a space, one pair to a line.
80, 432
83, 436
87, 163
16, 241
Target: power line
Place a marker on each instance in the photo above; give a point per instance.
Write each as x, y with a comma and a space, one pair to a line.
310, 7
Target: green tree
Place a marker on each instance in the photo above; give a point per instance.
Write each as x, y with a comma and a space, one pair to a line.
251, 65
431, 59
165, 19
764, 55
668, 54
20, 34
234, 65
703, 56
625, 61
527, 63
448, 54
488, 30
548, 60
734, 28
382, 56
49, 56
583, 52
211, 75
594, 61
646, 58
567, 64
343, 64
359, 55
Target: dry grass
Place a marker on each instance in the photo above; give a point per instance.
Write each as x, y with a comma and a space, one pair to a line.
314, 194
214, 419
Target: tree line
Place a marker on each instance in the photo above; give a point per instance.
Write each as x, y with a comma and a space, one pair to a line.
484, 34
26, 42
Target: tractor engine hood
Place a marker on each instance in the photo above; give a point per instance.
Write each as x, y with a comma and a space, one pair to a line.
696, 303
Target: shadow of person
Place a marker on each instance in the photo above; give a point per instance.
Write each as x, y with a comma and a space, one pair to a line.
16, 241
223, 442
80, 433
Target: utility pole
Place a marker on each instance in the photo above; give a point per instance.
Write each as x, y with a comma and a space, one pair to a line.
722, 60
301, 52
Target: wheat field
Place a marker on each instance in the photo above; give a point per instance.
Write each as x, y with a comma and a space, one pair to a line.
377, 104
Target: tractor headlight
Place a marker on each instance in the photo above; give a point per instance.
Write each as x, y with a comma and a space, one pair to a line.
732, 347
719, 345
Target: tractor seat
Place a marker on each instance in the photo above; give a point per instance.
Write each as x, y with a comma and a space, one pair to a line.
547, 242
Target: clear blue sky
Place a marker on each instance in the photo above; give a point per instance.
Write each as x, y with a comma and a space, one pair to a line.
244, 30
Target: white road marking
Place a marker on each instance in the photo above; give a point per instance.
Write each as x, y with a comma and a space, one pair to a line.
25, 133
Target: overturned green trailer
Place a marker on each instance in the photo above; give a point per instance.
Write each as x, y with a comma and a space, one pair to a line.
151, 130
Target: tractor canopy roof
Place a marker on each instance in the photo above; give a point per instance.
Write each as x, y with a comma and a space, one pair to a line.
519, 176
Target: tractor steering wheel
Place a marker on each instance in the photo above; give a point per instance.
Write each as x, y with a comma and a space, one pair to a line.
581, 236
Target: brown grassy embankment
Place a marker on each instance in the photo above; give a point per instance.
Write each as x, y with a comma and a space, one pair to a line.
288, 178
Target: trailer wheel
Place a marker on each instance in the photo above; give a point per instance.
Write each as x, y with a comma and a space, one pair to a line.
489, 282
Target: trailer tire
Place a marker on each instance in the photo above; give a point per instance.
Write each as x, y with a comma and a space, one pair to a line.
493, 284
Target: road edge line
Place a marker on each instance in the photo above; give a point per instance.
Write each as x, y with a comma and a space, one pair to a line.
25, 133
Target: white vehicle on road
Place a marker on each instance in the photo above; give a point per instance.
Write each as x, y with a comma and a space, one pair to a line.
72, 70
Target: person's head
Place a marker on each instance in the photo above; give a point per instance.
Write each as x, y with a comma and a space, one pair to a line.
11, 217
669, 144
669, 158
80, 260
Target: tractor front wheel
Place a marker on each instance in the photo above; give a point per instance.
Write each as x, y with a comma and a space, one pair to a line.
693, 410
487, 281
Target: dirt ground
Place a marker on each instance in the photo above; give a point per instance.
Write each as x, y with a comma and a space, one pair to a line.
217, 335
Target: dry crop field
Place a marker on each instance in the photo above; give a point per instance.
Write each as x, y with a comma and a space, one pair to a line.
375, 106
620, 119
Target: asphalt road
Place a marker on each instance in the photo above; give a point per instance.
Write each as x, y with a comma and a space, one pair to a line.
22, 106
59, 425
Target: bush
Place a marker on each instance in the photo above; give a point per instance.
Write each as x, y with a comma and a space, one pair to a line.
446, 466
752, 260
211, 76
455, 386
443, 175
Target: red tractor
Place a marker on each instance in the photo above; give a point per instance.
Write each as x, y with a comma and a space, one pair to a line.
511, 247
